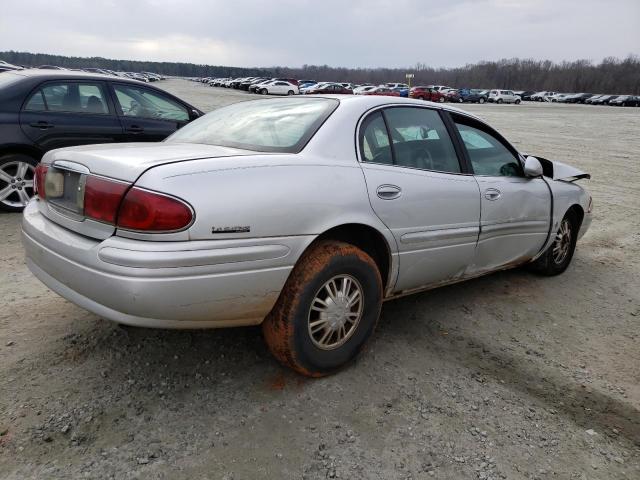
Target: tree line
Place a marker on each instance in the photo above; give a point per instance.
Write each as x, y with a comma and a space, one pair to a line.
611, 75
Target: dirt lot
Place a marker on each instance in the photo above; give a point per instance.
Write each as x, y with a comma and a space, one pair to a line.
508, 376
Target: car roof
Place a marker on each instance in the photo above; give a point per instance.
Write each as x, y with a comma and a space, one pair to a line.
372, 101
45, 74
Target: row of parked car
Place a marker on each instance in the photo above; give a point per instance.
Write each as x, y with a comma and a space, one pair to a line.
434, 93
141, 76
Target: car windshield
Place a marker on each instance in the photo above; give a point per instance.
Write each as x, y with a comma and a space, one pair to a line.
283, 125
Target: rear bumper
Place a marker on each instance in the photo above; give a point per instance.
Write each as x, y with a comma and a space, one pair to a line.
194, 284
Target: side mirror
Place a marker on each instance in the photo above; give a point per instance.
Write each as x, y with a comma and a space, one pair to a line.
194, 114
532, 167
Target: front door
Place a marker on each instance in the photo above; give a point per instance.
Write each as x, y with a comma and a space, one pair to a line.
417, 188
147, 115
515, 212
68, 113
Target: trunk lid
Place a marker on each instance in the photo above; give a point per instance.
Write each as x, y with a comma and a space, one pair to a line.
68, 170
127, 161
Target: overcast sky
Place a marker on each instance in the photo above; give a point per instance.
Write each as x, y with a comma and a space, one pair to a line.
350, 33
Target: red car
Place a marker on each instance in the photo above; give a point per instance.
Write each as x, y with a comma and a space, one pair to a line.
382, 91
427, 93
330, 88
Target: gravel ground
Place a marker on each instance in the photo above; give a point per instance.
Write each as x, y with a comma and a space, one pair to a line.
508, 376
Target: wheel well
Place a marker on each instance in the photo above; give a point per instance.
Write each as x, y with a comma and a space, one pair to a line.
366, 238
23, 149
577, 209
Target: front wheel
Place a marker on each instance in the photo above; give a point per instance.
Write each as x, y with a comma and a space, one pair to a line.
499, 100
327, 309
264, 91
481, 100
16, 181
441, 99
558, 256
517, 102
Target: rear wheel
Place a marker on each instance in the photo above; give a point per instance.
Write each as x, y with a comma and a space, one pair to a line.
264, 91
558, 256
290, 92
441, 99
481, 100
16, 181
327, 310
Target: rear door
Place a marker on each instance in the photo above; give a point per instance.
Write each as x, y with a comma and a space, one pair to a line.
68, 113
515, 214
146, 114
417, 187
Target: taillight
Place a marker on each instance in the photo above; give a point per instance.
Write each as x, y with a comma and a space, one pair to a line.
153, 212
102, 198
40, 174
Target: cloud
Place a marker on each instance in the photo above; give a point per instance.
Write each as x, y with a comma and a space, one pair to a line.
357, 33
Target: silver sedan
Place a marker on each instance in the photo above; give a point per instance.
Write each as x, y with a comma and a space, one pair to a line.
300, 214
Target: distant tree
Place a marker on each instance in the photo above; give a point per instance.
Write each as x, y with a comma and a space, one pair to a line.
611, 75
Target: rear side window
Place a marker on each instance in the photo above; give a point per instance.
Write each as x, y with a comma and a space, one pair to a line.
374, 140
69, 97
419, 139
144, 103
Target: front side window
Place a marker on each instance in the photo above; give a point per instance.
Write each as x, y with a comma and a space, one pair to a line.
282, 125
420, 140
70, 98
488, 155
144, 103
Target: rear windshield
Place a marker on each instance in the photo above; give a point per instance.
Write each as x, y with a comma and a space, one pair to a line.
279, 125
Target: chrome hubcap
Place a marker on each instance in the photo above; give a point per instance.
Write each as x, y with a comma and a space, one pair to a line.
16, 183
563, 242
335, 312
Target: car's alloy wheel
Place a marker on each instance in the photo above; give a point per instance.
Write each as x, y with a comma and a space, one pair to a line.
481, 100
16, 181
557, 257
562, 243
517, 102
264, 91
499, 100
441, 100
290, 92
327, 309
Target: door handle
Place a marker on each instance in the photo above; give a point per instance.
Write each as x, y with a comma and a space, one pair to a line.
388, 192
492, 194
134, 129
42, 125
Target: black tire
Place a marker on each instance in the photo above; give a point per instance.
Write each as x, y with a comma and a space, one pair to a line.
264, 91
481, 100
499, 100
9, 164
517, 102
288, 328
549, 263
290, 92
